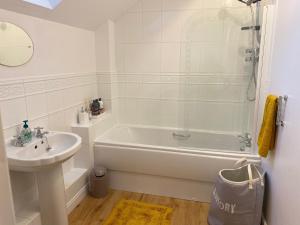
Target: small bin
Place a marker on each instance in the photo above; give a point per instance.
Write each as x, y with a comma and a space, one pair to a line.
98, 182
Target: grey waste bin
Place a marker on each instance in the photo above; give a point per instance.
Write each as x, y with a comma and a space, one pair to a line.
98, 182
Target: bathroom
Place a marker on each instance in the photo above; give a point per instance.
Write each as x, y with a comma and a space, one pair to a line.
183, 85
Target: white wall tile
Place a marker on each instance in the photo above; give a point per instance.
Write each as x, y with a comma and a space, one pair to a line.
41, 122
204, 26
169, 113
181, 5
104, 90
13, 111
198, 57
152, 26
57, 122
55, 101
170, 57
142, 57
11, 90
55, 84
174, 23
151, 5
128, 111
129, 28
36, 106
136, 7
170, 91
71, 96
34, 87
150, 90
233, 3
213, 4
149, 112
133, 90
71, 117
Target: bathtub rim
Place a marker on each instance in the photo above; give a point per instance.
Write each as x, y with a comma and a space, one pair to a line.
101, 140
198, 152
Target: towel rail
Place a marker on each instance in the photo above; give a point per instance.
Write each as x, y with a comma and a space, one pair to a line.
282, 101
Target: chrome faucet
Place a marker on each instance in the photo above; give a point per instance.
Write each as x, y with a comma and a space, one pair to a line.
246, 140
43, 136
17, 141
39, 133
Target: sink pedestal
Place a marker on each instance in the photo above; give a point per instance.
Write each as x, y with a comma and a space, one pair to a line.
35, 157
52, 195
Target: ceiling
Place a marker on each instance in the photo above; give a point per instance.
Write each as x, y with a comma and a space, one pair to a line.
87, 14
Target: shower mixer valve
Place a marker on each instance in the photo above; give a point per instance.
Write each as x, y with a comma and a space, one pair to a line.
246, 140
254, 55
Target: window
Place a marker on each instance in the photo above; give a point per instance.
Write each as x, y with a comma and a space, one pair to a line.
49, 4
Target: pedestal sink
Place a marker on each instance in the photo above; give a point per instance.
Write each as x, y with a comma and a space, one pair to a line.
47, 164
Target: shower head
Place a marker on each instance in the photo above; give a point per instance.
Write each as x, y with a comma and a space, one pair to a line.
249, 2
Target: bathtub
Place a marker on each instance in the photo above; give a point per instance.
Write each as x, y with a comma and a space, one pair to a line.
159, 160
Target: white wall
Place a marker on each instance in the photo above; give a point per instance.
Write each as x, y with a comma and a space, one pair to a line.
157, 42
282, 165
49, 89
58, 48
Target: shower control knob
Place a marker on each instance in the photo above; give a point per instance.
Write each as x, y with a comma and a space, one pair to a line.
249, 51
249, 59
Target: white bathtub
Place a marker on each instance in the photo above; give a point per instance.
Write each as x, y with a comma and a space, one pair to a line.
145, 155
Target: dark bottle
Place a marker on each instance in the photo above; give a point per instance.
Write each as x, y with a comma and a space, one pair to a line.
95, 107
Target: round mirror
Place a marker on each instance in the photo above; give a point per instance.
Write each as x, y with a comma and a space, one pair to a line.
16, 47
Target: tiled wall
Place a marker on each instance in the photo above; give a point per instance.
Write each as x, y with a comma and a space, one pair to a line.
48, 101
181, 63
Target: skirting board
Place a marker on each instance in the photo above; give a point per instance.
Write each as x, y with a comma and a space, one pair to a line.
162, 186
77, 199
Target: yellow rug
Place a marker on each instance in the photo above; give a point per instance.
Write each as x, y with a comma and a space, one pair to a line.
129, 212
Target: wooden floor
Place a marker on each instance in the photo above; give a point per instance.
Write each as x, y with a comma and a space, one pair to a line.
93, 211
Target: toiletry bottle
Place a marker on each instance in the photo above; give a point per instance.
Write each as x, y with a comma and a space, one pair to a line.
101, 105
83, 116
95, 107
26, 133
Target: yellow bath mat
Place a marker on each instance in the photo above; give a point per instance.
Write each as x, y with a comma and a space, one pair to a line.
129, 212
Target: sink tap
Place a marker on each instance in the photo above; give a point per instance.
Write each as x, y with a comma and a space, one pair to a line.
43, 136
17, 141
39, 133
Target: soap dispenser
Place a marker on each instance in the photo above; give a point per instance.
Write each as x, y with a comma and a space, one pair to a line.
26, 133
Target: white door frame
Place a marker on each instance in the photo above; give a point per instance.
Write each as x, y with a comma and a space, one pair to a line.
7, 214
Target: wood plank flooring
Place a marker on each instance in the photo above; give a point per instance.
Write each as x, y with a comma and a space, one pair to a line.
92, 211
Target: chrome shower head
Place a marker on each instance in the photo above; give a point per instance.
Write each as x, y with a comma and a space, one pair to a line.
249, 2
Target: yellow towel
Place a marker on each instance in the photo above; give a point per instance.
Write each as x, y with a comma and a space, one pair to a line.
266, 139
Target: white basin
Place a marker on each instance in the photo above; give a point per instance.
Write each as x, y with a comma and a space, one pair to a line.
34, 156
47, 164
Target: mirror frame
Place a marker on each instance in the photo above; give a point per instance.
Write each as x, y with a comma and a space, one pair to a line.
33, 49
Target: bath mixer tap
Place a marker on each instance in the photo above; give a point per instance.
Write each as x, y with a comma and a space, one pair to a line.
246, 140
